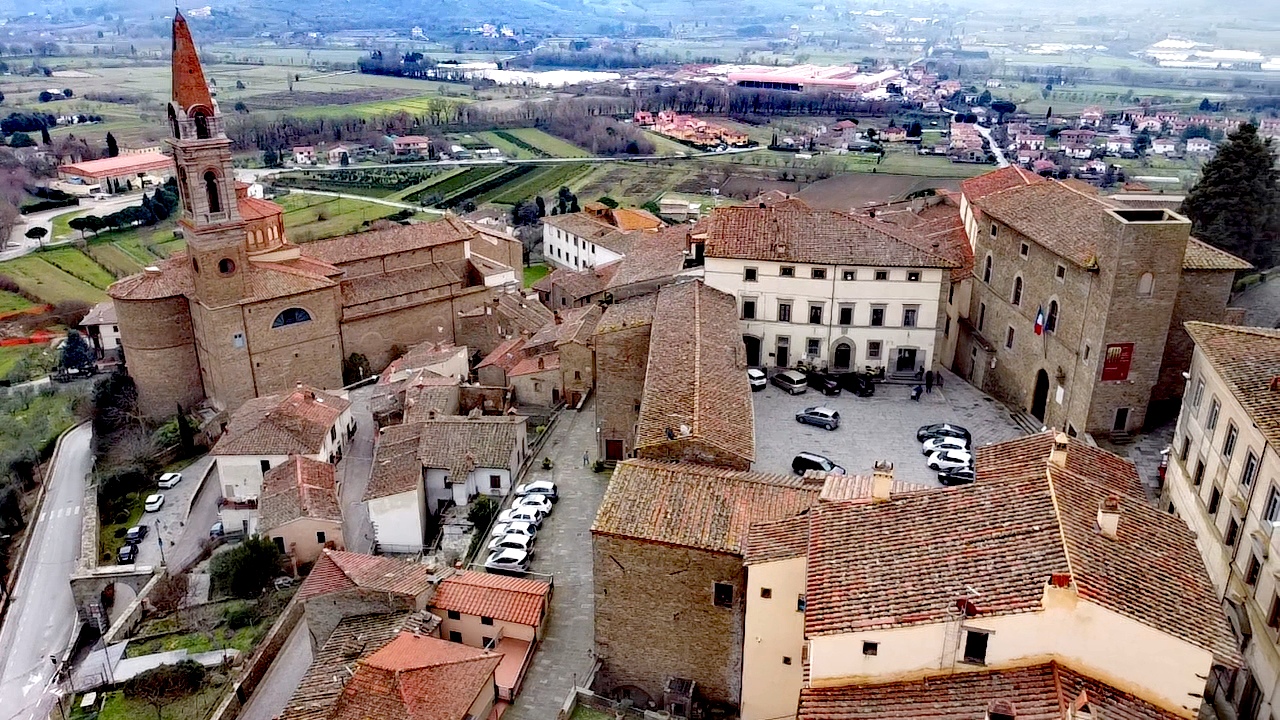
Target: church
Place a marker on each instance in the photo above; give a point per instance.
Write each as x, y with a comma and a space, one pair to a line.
244, 312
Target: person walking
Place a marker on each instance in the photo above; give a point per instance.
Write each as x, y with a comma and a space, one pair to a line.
928, 382
937, 378
584, 458
916, 392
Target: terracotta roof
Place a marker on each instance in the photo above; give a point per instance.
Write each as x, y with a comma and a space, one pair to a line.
417, 677
976, 188
337, 570
252, 208
998, 541
938, 228
298, 488
776, 198
104, 313
171, 278
1026, 456
566, 326
189, 86
653, 256
634, 219
389, 240
1066, 222
584, 226
296, 423
381, 286
396, 467
535, 364
777, 540
517, 600
696, 376
420, 401
268, 280
460, 444
696, 506
633, 312
354, 639
1037, 692
577, 284
119, 165
505, 356
422, 355
826, 237
1248, 361
1203, 256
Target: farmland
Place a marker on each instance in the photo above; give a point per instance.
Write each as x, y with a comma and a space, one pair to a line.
44, 280
549, 144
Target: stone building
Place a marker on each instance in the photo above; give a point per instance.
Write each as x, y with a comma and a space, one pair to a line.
244, 312
346, 584
622, 352
1074, 297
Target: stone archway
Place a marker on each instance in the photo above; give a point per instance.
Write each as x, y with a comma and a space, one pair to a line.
89, 589
1040, 398
842, 356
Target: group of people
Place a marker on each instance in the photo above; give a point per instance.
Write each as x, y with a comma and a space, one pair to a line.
929, 377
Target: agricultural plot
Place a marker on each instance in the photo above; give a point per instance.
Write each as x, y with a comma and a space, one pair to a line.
115, 260
48, 283
415, 105
12, 302
483, 185
75, 263
549, 144
452, 183
314, 217
543, 181
512, 148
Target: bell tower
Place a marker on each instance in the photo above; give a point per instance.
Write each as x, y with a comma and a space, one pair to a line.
210, 221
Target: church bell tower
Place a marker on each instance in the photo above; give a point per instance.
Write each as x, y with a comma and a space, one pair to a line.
211, 222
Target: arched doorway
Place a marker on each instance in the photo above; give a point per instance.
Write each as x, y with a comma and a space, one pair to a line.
1040, 398
115, 599
752, 344
842, 357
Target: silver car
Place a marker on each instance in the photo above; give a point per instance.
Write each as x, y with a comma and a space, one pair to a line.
514, 528
514, 542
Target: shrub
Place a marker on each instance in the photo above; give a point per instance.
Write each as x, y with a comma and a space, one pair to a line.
241, 616
482, 512
246, 569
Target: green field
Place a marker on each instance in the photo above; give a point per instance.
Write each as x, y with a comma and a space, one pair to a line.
534, 273
43, 280
315, 217
543, 181
10, 302
76, 263
508, 148
550, 144
115, 260
60, 227
418, 105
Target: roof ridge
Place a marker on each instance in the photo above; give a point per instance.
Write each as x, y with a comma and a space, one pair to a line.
1057, 518
1255, 331
697, 358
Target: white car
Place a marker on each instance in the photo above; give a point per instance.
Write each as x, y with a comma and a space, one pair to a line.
508, 560
169, 480
935, 444
538, 503
514, 542
520, 514
514, 528
545, 488
950, 460
757, 379
153, 502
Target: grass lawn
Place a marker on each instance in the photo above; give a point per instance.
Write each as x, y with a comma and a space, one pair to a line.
508, 148
116, 261
108, 543
243, 640
75, 262
11, 356
36, 421
418, 105
115, 706
534, 273
10, 302
49, 283
582, 712
60, 226
316, 217
549, 144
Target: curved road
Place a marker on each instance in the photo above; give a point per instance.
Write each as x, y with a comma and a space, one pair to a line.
42, 615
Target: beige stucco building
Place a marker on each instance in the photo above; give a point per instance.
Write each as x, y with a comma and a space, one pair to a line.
299, 509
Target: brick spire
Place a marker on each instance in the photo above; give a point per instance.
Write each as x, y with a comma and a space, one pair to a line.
189, 86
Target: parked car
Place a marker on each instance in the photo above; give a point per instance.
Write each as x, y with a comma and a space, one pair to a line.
169, 480
216, 530
283, 581
153, 502
824, 383
514, 528
756, 379
823, 417
857, 383
508, 560
806, 461
134, 535
944, 442
539, 503
127, 555
521, 514
793, 381
950, 460
959, 476
545, 488
942, 430
515, 542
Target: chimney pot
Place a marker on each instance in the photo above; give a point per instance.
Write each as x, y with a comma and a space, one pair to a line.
1058, 457
1060, 580
881, 480
1275, 381
1109, 517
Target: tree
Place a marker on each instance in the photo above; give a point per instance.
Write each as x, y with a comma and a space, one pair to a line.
68, 93
1236, 204
524, 214
270, 158
985, 98
247, 569
21, 139
1003, 107
113, 148
356, 368
76, 353
240, 107
915, 130
541, 205
162, 685
1, 97
45, 96
37, 233
239, 84
608, 202
44, 136
1205, 105
169, 593
482, 511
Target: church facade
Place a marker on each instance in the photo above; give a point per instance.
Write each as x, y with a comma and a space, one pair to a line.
244, 312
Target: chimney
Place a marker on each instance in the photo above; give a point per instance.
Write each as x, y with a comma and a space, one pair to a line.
1060, 580
556, 316
1109, 516
1058, 456
1001, 710
881, 480
762, 205
151, 270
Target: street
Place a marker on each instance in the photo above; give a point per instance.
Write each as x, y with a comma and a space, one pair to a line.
42, 616
20, 244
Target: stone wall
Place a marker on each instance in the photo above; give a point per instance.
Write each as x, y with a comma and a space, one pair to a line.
696, 450
577, 370
622, 357
160, 354
655, 618
1202, 296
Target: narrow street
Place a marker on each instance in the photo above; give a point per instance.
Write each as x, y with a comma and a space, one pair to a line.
42, 616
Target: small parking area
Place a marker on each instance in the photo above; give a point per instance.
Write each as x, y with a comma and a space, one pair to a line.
172, 517
882, 427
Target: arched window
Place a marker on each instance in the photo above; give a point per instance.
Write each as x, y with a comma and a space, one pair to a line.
202, 124
1051, 320
1016, 299
291, 316
1146, 285
173, 122
986, 269
211, 190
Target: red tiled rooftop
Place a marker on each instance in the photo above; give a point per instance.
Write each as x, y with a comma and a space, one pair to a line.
120, 165
337, 570
417, 677
517, 600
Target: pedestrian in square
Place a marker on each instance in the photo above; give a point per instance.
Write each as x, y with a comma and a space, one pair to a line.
584, 458
937, 378
928, 382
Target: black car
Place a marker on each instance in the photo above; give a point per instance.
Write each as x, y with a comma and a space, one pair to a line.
942, 430
825, 383
958, 476
128, 554
857, 383
806, 461
135, 534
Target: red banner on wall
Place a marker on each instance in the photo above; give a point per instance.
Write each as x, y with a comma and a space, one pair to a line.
1116, 361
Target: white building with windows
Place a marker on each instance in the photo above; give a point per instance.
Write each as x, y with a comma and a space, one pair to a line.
827, 288
594, 237
1223, 479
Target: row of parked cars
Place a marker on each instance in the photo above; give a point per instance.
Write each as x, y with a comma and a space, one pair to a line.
798, 381
948, 451
128, 553
511, 541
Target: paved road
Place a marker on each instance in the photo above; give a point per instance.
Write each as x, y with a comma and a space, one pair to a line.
42, 615
20, 244
282, 678
182, 535
353, 472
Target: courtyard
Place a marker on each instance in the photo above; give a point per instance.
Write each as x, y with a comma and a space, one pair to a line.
882, 427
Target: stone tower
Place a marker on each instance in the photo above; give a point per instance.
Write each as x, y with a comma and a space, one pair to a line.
211, 221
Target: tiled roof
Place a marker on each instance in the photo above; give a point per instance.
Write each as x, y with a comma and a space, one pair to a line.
634, 219
1026, 457
995, 181
633, 312
389, 240
420, 401
1037, 692
296, 423
696, 506
535, 364
338, 570
417, 677
486, 441
696, 376
653, 256
516, 314
1203, 256
577, 284
1248, 360
422, 355
774, 198
999, 540
777, 540
298, 488
937, 228
1066, 222
104, 313
269, 280
120, 165
171, 278
380, 286
582, 225
252, 208
828, 237
505, 356
396, 467
188, 87
566, 326
517, 600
